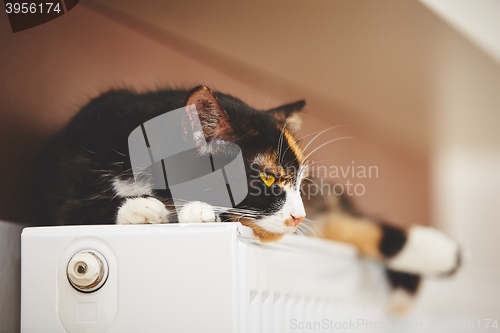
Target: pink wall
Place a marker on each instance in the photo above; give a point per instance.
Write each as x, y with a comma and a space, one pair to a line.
48, 72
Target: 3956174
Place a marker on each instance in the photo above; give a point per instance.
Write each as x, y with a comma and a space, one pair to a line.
32, 7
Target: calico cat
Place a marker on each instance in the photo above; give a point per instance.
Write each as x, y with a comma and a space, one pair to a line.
86, 178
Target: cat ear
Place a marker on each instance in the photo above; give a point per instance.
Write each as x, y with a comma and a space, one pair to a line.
213, 119
288, 114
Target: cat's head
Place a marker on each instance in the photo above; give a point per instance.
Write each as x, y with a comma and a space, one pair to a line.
273, 160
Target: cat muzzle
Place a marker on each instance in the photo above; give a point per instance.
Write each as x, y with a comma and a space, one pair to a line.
296, 219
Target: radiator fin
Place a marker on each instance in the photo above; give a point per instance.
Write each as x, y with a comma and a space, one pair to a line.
267, 313
255, 312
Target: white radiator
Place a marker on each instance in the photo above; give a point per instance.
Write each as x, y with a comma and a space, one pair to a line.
211, 277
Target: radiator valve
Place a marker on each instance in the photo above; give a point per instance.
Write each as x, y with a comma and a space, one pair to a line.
87, 271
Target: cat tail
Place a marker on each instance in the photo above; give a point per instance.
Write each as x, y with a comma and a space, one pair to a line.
417, 250
409, 254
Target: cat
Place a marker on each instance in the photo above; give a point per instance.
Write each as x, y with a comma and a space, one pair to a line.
86, 177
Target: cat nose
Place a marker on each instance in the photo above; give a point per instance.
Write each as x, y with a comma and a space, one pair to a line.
297, 219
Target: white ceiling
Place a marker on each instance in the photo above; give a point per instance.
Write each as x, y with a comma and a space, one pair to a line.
479, 21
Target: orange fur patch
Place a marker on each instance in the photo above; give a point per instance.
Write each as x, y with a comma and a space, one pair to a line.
264, 236
294, 146
360, 232
289, 223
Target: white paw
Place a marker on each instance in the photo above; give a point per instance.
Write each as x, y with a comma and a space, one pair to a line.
427, 251
197, 211
142, 211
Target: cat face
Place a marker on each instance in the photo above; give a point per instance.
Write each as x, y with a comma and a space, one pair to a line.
273, 160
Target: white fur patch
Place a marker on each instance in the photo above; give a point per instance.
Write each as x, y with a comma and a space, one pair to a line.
131, 188
293, 205
294, 122
197, 211
275, 224
142, 211
426, 251
303, 171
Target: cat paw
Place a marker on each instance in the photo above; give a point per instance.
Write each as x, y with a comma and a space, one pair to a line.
427, 251
197, 211
142, 211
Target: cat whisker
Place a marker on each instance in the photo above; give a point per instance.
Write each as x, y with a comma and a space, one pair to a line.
299, 232
311, 227
328, 142
321, 161
320, 133
312, 181
280, 141
121, 117
180, 203
308, 135
88, 150
116, 151
308, 178
102, 171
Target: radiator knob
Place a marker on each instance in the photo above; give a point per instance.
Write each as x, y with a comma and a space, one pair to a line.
87, 271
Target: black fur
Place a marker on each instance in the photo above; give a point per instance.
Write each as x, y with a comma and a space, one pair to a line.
393, 240
77, 168
406, 281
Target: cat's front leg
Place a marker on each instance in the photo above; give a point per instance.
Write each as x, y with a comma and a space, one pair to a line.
197, 211
142, 211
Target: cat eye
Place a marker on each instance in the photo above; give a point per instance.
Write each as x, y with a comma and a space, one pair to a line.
267, 179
